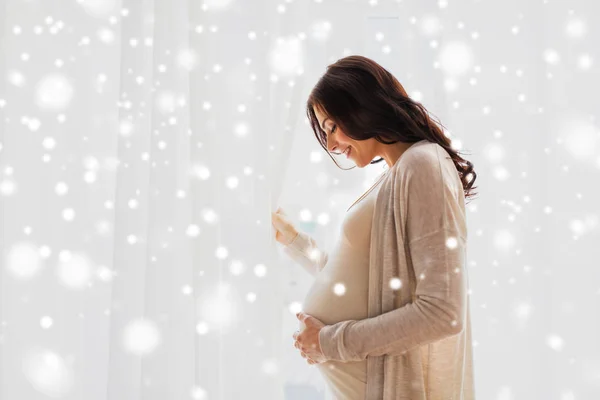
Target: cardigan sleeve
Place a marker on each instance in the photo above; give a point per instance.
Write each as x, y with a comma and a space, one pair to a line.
305, 251
436, 247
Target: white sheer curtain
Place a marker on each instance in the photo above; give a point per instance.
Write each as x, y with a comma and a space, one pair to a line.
144, 144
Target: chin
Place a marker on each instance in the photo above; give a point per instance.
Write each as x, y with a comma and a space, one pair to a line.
358, 162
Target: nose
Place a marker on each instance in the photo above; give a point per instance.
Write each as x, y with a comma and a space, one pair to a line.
330, 146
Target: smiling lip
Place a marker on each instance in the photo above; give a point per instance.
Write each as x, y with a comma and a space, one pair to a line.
349, 151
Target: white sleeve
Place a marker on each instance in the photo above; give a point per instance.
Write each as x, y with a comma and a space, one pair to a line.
305, 251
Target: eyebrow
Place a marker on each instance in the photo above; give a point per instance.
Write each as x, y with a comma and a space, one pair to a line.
324, 122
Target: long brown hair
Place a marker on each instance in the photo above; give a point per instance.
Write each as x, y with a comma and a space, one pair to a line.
367, 101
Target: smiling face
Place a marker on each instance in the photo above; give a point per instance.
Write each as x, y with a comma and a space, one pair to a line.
362, 152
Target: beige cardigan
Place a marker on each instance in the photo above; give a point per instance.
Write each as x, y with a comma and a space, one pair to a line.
417, 338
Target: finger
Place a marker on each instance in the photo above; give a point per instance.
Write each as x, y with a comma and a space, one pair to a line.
304, 317
275, 220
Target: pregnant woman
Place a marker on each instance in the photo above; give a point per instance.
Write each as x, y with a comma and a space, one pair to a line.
387, 316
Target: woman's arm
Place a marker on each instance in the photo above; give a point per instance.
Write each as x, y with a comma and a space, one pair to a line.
305, 251
439, 310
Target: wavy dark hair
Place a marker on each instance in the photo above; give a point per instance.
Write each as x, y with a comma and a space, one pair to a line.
367, 101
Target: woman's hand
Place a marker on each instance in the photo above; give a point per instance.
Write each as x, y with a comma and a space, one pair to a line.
307, 341
285, 232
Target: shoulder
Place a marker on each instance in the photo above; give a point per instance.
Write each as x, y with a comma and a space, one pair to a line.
427, 165
423, 159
